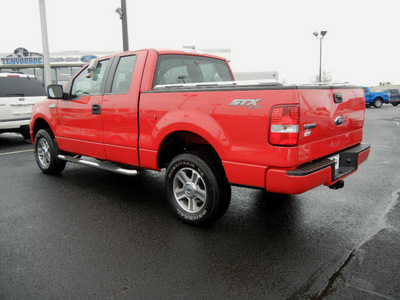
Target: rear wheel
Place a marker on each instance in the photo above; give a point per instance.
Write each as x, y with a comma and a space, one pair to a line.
197, 189
395, 104
46, 152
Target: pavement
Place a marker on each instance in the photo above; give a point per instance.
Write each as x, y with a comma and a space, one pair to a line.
373, 266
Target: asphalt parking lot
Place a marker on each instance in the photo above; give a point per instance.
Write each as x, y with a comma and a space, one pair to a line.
90, 234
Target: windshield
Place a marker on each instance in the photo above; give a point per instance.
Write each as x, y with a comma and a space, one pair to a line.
20, 86
176, 69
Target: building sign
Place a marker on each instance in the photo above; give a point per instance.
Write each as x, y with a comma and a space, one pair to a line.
23, 58
22, 61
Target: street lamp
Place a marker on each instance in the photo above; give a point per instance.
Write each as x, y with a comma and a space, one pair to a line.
121, 11
45, 44
320, 35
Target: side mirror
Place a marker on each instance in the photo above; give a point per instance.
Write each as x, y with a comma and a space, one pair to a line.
55, 91
92, 66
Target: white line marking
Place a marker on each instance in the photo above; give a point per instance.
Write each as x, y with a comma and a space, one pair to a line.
15, 152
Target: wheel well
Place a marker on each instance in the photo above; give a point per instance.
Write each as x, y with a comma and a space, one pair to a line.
182, 142
41, 124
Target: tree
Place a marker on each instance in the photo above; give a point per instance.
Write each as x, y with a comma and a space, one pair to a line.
326, 77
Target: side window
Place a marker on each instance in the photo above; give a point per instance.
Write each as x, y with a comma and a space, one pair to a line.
89, 85
123, 75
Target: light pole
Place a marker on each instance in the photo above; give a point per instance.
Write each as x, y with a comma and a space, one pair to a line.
45, 44
320, 35
123, 16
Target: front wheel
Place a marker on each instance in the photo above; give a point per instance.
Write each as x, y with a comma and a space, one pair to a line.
197, 189
46, 151
378, 103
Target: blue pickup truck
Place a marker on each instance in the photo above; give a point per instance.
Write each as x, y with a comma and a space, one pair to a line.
375, 98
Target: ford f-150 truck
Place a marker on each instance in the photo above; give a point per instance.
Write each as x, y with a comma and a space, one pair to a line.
375, 98
184, 112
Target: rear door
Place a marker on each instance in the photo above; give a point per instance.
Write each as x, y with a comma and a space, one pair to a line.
80, 128
120, 108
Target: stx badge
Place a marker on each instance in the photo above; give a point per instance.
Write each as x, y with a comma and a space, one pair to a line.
250, 103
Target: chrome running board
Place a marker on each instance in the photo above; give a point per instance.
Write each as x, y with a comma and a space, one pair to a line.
99, 164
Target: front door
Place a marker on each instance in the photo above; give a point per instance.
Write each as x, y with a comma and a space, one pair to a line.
80, 120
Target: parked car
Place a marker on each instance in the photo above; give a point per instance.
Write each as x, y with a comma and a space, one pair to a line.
376, 98
394, 96
18, 94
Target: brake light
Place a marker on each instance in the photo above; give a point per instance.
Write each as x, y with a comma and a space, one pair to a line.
12, 75
284, 130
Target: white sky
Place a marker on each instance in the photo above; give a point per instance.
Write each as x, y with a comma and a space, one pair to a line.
361, 46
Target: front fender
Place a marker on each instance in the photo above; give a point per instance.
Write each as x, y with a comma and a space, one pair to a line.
44, 114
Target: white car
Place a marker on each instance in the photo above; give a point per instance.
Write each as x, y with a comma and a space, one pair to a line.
18, 94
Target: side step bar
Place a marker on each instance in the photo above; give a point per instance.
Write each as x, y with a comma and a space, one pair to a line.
98, 164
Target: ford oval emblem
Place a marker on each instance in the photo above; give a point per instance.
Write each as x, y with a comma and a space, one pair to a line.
339, 120
88, 58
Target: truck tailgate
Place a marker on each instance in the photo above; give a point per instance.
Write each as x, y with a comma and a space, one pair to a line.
331, 119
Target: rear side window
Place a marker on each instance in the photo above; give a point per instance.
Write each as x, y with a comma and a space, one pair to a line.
176, 69
123, 75
20, 86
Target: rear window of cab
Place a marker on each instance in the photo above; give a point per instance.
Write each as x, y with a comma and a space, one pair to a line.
180, 69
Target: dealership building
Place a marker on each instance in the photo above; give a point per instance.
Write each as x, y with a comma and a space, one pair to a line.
65, 64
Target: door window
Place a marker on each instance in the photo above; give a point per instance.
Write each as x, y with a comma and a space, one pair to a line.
89, 85
123, 75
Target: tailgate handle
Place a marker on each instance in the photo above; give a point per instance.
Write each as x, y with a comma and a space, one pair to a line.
96, 109
338, 97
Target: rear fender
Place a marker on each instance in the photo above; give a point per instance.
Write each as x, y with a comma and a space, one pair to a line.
200, 124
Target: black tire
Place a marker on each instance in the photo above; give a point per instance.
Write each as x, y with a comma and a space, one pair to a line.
46, 152
395, 104
378, 102
368, 105
197, 189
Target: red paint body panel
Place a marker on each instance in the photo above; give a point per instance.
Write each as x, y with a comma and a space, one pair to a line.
78, 130
279, 182
120, 119
234, 120
318, 106
238, 133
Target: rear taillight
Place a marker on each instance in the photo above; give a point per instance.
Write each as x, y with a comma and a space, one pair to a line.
284, 130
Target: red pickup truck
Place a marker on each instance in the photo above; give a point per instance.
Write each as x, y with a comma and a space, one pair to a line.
184, 112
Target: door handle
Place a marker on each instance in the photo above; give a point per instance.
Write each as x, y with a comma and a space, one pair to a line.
96, 109
338, 98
